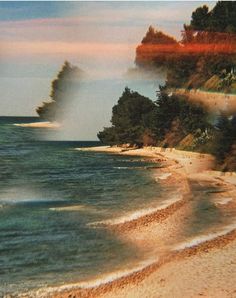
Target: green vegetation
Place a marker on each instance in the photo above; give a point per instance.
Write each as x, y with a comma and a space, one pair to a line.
197, 61
62, 88
225, 142
131, 120
137, 120
222, 18
207, 50
171, 121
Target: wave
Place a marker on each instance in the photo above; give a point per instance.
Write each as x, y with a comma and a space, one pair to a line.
138, 167
103, 280
205, 238
138, 213
68, 208
163, 176
117, 274
223, 201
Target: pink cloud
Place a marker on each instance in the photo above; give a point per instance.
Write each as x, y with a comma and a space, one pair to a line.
88, 50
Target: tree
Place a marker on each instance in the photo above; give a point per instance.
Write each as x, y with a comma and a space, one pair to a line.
131, 120
153, 36
226, 136
62, 88
200, 18
191, 117
207, 49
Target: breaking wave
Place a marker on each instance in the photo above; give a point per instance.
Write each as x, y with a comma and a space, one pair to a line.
138, 213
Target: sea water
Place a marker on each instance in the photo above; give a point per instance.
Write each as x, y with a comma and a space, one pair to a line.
50, 193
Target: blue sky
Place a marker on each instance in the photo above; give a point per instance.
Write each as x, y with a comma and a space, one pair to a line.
99, 37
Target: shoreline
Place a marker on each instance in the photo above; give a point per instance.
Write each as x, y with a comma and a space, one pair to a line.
157, 233
109, 287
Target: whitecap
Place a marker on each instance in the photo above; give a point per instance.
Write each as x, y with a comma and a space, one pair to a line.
68, 208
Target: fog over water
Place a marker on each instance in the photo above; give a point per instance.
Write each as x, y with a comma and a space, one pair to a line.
90, 108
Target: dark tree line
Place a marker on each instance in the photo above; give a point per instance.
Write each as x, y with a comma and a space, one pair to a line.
137, 120
206, 55
62, 88
131, 120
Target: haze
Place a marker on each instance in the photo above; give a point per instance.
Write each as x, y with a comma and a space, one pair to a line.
99, 37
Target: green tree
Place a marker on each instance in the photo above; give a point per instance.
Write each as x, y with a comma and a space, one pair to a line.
226, 136
62, 89
200, 18
191, 117
131, 120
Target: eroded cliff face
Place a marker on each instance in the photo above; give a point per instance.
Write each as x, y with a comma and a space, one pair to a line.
229, 163
215, 102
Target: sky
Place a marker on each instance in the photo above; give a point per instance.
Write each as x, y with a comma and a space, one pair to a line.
99, 37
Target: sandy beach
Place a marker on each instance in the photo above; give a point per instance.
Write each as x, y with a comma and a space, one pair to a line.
173, 265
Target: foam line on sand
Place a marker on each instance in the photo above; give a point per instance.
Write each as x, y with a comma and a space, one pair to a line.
94, 283
205, 238
138, 213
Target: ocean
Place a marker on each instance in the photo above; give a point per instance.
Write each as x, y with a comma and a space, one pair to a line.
52, 197
42, 242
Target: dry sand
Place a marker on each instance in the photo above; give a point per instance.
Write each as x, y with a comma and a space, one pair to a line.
173, 266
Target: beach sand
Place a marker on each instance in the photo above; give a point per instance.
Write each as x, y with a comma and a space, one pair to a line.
173, 266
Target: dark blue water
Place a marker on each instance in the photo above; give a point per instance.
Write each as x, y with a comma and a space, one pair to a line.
40, 242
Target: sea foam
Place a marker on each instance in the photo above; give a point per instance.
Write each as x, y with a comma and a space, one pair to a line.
105, 279
204, 238
163, 176
223, 201
68, 208
139, 213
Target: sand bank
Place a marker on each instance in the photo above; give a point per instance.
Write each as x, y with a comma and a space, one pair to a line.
45, 124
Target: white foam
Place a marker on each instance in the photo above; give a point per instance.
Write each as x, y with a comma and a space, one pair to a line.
68, 208
105, 279
121, 168
204, 238
139, 213
131, 168
118, 274
223, 201
163, 176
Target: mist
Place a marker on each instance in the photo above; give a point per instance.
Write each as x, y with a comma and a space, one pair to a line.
89, 109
